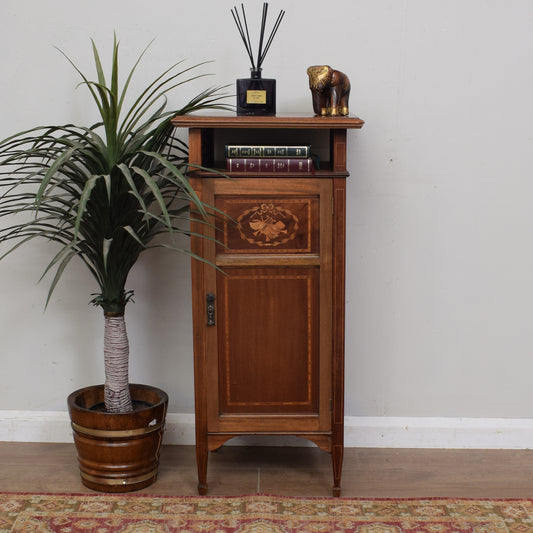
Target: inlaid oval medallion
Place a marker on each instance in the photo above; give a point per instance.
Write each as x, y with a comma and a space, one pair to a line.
267, 225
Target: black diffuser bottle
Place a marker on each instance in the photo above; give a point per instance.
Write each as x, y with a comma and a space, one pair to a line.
256, 95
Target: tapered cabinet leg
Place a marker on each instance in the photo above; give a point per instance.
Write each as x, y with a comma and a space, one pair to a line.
201, 462
336, 458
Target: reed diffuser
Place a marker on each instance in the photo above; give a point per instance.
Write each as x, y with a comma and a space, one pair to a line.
256, 95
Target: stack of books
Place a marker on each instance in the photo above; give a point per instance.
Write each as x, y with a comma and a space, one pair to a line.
253, 158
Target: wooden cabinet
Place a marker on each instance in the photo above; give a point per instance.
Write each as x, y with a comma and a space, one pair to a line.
269, 321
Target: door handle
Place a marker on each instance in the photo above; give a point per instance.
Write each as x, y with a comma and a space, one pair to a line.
210, 300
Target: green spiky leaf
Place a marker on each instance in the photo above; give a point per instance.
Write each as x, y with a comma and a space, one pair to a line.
103, 193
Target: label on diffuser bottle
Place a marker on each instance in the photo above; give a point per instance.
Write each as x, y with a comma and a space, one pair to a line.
256, 97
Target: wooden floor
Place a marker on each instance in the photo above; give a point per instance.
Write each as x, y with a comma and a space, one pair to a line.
292, 471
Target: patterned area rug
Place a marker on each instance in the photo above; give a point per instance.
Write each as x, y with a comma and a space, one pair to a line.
69, 513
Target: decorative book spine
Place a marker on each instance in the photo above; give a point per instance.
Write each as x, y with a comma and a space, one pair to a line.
267, 151
267, 164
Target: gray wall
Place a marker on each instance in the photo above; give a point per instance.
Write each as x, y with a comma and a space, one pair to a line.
440, 262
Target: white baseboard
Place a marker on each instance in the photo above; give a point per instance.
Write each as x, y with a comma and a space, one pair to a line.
433, 432
363, 432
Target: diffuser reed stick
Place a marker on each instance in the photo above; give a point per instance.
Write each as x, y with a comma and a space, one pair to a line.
246, 42
242, 26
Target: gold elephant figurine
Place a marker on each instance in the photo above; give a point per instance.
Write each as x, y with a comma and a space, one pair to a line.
330, 90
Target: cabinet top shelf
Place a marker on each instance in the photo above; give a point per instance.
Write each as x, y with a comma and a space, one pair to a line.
303, 121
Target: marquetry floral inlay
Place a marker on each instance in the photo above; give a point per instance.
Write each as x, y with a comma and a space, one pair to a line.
267, 225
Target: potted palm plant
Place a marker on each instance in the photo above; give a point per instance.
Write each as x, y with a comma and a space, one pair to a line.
105, 194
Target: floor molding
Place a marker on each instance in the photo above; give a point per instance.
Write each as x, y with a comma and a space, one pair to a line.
365, 432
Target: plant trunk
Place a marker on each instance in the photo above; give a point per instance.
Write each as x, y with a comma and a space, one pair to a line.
116, 360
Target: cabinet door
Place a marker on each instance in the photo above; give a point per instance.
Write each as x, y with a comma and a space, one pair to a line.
269, 354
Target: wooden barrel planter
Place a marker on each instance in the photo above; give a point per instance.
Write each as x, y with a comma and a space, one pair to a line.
118, 452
